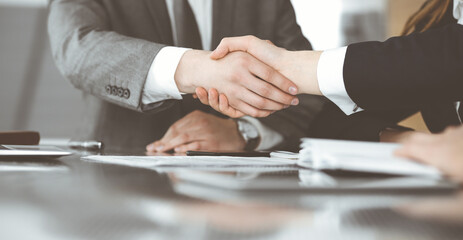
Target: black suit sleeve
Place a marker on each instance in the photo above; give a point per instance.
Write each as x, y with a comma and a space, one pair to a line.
407, 72
367, 125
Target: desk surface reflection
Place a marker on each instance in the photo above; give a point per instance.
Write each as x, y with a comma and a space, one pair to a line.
74, 199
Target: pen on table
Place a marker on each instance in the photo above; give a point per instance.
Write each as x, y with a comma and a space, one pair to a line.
89, 145
229, 154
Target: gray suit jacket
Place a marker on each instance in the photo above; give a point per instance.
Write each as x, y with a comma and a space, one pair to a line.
105, 48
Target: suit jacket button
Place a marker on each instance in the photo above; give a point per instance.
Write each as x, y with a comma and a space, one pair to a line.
126, 93
114, 90
120, 92
108, 89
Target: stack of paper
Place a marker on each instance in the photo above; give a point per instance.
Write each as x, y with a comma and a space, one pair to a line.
316, 154
191, 161
321, 154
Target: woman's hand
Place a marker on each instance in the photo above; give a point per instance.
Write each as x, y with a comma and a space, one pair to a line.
299, 66
443, 151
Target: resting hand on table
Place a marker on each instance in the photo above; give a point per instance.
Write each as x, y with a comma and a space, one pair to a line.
444, 151
199, 131
250, 85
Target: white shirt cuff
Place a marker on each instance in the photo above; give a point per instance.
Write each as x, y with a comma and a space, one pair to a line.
458, 11
268, 137
331, 79
160, 83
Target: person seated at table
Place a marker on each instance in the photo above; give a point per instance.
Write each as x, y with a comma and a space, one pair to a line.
137, 63
422, 69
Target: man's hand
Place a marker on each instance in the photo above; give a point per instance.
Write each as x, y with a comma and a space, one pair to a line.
199, 131
250, 85
218, 102
299, 66
444, 151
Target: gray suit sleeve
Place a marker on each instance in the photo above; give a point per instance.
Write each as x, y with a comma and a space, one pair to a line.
97, 60
292, 123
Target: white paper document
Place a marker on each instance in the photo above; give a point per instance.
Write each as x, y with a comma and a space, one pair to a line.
321, 154
316, 154
191, 161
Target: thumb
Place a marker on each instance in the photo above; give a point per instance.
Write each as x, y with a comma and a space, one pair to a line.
220, 52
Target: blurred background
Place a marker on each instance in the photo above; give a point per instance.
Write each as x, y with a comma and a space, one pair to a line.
34, 96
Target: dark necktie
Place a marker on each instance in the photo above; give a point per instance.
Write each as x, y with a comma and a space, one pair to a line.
185, 23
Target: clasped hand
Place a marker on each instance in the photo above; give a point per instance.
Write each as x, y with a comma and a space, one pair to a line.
297, 66
252, 87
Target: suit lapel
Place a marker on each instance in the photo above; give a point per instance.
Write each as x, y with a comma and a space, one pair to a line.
222, 21
160, 15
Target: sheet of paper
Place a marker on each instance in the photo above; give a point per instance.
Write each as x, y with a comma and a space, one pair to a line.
359, 156
191, 161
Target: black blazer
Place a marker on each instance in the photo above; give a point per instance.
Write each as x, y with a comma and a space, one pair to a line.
392, 80
421, 71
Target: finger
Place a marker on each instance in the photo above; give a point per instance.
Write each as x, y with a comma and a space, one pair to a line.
194, 146
250, 110
258, 101
414, 151
195, 96
270, 42
202, 95
282, 87
173, 132
226, 109
214, 98
181, 139
260, 49
228, 45
153, 147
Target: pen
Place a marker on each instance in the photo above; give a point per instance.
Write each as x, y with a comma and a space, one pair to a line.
230, 154
90, 145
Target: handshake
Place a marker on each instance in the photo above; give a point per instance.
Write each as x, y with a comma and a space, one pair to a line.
248, 76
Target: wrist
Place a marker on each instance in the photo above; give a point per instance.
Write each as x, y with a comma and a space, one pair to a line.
306, 70
249, 134
184, 75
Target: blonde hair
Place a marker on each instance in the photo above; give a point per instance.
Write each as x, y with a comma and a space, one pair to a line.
431, 14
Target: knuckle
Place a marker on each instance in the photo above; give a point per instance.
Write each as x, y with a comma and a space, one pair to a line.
243, 60
250, 38
268, 74
235, 76
185, 137
173, 130
253, 113
204, 122
260, 103
265, 90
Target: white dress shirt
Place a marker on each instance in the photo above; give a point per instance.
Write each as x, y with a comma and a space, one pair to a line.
160, 83
330, 72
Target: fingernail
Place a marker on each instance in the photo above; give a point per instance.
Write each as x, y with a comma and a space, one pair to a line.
295, 102
293, 90
177, 149
159, 148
